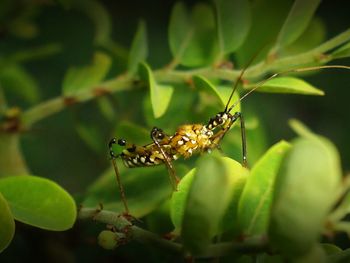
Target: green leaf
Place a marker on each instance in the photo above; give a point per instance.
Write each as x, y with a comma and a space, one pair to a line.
102, 21
306, 189
180, 108
257, 141
239, 176
7, 224
100, 17
267, 18
341, 226
145, 189
77, 79
315, 254
233, 20
222, 93
138, 51
331, 249
179, 199
15, 79
341, 257
342, 209
313, 36
300, 129
39, 202
192, 36
289, 85
255, 202
160, 94
208, 199
297, 21
342, 52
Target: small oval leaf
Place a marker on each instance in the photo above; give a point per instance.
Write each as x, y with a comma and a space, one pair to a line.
300, 129
39, 202
7, 224
179, 199
222, 93
160, 94
306, 189
297, 21
255, 202
342, 210
289, 85
138, 51
340, 257
15, 79
207, 202
239, 176
80, 78
192, 36
342, 52
233, 19
313, 36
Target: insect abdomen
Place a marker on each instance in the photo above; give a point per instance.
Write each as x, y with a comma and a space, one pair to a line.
146, 156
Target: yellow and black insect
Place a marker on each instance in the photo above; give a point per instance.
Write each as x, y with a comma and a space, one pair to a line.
188, 139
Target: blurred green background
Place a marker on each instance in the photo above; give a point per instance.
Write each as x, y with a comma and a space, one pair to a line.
55, 147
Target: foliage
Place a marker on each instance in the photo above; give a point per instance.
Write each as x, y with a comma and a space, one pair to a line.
292, 195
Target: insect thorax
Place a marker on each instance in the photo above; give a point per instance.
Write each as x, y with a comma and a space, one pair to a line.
220, 120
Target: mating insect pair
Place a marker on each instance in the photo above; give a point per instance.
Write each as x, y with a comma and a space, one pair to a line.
188, 139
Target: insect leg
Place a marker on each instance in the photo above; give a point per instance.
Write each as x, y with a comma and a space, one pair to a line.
114, 162
217, 137
157, 134
243, 135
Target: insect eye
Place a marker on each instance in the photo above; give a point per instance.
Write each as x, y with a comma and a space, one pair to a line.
219, 120
160, 135
122, 142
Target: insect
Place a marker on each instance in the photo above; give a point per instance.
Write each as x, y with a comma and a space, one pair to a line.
189, 139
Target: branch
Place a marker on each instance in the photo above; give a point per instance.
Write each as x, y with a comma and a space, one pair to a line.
52, 106
167, 74
249, 246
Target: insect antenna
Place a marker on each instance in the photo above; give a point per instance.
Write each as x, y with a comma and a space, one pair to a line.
236, 86
261, 83
239, 78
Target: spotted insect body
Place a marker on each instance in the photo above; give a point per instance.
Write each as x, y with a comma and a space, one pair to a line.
188, 140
